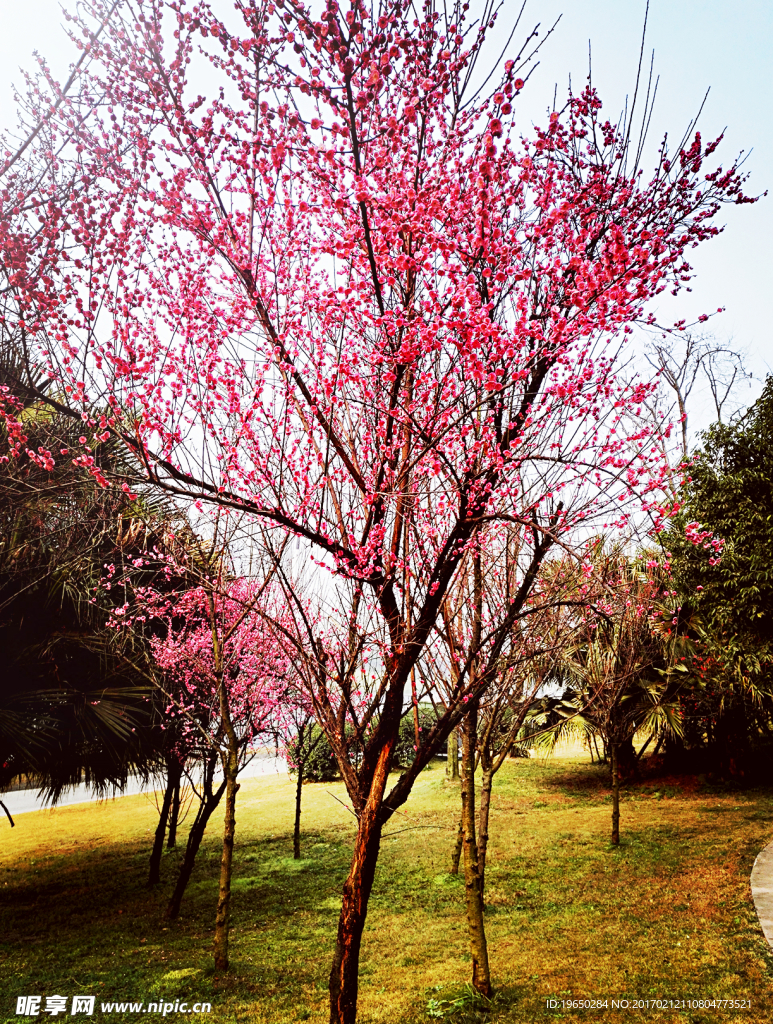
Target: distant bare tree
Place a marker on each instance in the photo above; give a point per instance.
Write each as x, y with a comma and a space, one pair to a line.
691, 361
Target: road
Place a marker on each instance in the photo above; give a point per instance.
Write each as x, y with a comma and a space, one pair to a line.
22, 801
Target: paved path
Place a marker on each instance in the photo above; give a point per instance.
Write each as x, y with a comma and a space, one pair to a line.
21, 801
762, 890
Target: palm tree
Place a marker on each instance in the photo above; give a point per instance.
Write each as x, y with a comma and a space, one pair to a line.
622, 675
72, 708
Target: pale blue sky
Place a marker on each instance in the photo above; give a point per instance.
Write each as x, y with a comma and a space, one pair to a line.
698, 44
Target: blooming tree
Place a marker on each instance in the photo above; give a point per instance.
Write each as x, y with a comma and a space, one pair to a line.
223, 676
342, 294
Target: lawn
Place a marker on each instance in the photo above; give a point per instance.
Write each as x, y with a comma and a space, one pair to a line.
667, 915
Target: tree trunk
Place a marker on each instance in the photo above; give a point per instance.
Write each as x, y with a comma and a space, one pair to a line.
643, 749
658, 745
196, 834
226, 864
596, 746
174, 815
297, 828
154, 874
230, 762
481, 975
344, 974
615, 795
487, 782
452, 764
456, 856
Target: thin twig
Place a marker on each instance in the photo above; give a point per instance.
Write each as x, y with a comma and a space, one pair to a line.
341, 802
446, 828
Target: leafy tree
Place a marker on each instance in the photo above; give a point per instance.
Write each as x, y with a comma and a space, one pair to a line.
312, 749
405, 748
623, 671
724, 551
722, 548
71, 710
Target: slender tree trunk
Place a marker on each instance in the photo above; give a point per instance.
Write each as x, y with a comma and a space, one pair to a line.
230, 773
649, 740
487, 782
174, 815
196, 834
297, 828
452, 764
154, 874
226, 863
615, 795
481, 975
658, 745
344, 974
456, 856
596, 746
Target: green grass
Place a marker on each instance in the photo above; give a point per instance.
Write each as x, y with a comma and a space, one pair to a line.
667, 915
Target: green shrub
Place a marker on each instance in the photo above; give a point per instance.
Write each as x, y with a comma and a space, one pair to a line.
319, 763
406, 739
315, 754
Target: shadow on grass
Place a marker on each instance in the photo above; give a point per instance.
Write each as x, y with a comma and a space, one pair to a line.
581, 780
86, 924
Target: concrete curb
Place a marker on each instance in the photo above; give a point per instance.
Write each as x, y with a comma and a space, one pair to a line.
762, 890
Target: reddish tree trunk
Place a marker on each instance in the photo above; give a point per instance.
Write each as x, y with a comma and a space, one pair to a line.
344, 974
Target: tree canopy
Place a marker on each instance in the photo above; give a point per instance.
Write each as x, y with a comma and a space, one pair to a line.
722, 542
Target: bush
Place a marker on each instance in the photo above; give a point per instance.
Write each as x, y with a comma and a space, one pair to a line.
316, 756
406, 739
318, 759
